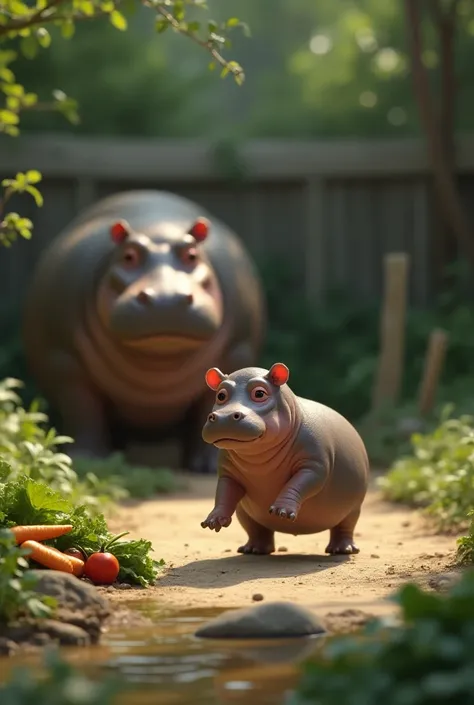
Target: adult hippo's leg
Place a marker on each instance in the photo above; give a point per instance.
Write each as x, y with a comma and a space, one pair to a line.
200, 457
341, 537
80, 408
261, 540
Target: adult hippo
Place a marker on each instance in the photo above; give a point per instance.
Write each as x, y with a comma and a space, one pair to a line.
127, 309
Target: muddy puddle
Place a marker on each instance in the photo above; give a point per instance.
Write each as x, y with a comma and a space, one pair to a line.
164, 664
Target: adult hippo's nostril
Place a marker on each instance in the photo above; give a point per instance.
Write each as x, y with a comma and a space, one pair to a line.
211, 418
238, 415
145, 296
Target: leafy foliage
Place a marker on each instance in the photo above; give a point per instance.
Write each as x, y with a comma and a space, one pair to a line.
466, 543
137, 481
17, 598
427, 659
26, 27
439, 473
62, 684
30, 449
27, 501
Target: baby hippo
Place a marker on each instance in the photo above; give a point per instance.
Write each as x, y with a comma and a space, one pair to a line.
285, 463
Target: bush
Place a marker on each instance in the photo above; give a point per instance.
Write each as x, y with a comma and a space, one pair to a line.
466, 543
438, 474
427, 659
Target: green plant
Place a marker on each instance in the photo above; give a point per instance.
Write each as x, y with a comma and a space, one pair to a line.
28, 501
138, 481
466, 543
439, 473
61, 684
30, 448
26, 27
17, 597
428, 658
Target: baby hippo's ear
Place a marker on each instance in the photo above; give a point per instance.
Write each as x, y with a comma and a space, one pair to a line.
214, 377
278, 374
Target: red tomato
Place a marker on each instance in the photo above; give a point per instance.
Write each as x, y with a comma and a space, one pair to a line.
102, 568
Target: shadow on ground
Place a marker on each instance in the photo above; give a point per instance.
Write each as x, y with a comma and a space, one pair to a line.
234, 570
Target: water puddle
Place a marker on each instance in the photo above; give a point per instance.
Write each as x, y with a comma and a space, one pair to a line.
165, 664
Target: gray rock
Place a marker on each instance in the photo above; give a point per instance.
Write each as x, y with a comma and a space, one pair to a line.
266, 621
65, 634
70, 592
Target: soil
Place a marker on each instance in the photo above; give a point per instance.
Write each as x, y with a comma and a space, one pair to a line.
203, 568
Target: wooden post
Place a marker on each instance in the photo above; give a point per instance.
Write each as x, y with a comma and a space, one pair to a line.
434, 360
392, 330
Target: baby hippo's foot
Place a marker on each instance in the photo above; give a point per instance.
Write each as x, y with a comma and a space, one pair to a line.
341, 545
216, 520
260, 547
285, 510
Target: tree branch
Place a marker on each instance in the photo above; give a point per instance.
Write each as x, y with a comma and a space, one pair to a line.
444, 181
218, 58
39, 17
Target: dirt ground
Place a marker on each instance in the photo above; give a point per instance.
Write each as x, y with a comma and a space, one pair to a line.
204, 570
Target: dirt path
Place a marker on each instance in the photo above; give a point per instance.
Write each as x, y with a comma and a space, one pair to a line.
203, 569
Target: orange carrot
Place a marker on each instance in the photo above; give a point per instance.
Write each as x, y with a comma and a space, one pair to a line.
77, 564
48, 557
40, 532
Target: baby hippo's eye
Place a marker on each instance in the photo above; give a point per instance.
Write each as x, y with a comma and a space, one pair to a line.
130, 257
222, 396
259, 394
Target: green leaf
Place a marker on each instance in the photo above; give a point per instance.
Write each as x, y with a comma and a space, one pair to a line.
41, 497
233, 22
44, 37
8, 117
161, 26
33, 176
29, 47
118, 20
68, 29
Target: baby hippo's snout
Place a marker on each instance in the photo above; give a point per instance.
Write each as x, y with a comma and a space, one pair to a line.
236, 416
227, 428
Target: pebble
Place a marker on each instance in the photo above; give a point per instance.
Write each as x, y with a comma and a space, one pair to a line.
257, 597
282, 549
124, 586
374, 555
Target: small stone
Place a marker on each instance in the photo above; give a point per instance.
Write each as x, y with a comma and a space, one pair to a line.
111, 588
7, 646
258, 597
123, 586
282, 549
374, 555
406, 523
272, 620
391, 570
228, 550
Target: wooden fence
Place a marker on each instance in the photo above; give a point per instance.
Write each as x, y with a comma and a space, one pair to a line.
332, 209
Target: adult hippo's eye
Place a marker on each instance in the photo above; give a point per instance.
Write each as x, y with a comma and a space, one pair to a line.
222, 396
189, 255
259, 394
130, 257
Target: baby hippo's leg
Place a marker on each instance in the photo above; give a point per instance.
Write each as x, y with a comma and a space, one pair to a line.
341, 537
261, 540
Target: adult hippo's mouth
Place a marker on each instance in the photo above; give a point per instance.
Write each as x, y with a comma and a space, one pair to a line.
166, 343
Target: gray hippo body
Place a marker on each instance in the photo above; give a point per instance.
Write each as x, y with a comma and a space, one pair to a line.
127, 309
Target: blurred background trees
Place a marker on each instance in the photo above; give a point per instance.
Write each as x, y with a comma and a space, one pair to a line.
335, 68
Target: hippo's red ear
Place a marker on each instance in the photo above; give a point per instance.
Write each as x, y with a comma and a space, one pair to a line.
278, 374
200, 229
119, 231
214, 377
